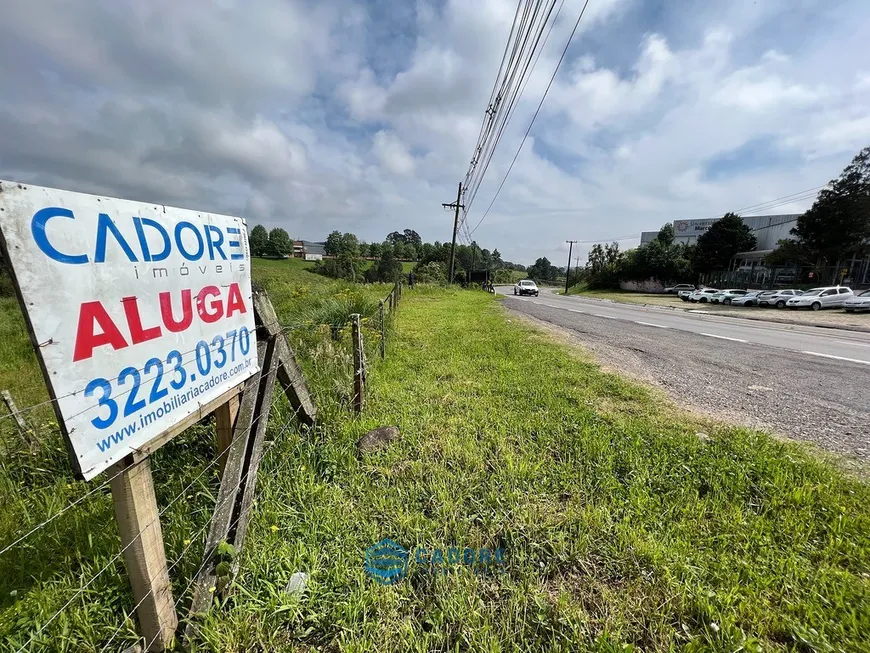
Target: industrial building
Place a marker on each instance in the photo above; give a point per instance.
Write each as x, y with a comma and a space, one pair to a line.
768, 229
749, 268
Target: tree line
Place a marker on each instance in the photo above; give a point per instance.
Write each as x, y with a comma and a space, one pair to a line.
347, 257
835, 229
347, 254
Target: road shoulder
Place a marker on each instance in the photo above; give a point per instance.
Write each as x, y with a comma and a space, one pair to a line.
674, 399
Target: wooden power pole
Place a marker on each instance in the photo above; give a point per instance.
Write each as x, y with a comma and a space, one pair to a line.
456, 205
568, 271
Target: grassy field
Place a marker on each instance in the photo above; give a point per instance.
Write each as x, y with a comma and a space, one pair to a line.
622, 528
628, 297
38, 575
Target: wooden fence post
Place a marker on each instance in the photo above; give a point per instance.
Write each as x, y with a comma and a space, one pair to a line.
359, 366
24, 431
225, 421
228, 493
142, 542
289, 373
383, 330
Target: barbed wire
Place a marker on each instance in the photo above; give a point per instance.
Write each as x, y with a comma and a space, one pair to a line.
206, 558
210, 347
138, 535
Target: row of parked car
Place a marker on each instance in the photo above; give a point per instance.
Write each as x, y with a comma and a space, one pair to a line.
815, 299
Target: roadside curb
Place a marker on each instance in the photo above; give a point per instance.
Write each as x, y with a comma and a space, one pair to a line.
820, 325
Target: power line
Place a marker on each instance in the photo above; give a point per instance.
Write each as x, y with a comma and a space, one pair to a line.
516, 93
500, 111
535, 116
512, 88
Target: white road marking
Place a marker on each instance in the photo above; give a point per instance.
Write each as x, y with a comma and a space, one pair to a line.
607, 317
658, 326
839, 358
852, 343
713, 335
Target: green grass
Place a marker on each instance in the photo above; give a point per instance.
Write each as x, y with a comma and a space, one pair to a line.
39, 575
622, 529
627, 296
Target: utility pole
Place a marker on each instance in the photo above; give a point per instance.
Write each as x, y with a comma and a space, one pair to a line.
568, 271
456, 205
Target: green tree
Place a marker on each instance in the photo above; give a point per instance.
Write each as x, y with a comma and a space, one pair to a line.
790, 252
333, 243
602, 267
543, 270
259, 240
280, 243
375, 250
412, 238
432, 272
410, 252
386, 270
399, 249
838, 223
725, 237
666, 234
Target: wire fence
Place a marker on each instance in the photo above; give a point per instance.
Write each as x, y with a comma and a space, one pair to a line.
88, 558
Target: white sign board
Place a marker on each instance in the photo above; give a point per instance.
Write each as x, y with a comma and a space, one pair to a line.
693, 227
139, 313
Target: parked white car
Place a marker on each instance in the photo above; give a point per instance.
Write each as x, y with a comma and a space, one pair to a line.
778, 298
857, 303
673, 290
819, 298
703, 295
749, 299
726, 296
684, 294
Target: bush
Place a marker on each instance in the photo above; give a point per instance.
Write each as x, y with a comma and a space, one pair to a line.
387, 269
433, 272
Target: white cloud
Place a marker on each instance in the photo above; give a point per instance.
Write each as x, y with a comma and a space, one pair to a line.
320, 115
392, 154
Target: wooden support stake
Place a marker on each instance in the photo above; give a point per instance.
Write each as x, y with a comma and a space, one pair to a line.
289, 373
142, 542
24, 431
359, 366
383, 330
254, 455
227, 494
225, 421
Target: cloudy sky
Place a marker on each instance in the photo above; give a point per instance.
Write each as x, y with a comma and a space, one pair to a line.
362, 116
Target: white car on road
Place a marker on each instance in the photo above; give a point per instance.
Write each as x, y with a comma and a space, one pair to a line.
703, 295
859, 302
819, 298
526, 287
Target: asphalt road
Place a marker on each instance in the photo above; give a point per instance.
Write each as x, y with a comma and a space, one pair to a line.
807, 383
